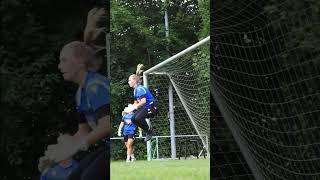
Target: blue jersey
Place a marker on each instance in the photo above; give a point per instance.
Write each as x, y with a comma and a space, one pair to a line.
129, 128
143, 92
93, 93
58, 172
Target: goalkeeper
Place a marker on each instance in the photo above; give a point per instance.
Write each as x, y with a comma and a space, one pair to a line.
78, 64
144, 103
128, 131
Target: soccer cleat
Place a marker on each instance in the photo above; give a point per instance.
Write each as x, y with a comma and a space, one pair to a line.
127, 161
148, 135
133, 159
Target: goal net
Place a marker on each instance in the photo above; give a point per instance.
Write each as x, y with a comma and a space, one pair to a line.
265, 82
181, 87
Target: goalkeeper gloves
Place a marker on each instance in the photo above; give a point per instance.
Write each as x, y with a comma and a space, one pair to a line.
65, 149
44, 164
130, 108
64, 138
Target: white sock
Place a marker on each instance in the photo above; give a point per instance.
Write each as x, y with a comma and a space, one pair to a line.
132, 156
128, 157
149, 123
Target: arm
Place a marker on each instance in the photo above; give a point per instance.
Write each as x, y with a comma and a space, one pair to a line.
140, 103
121, 125
99, 98
92, 30
68, 145
83, 138
87, 136
140, 94
83, 130
102, 130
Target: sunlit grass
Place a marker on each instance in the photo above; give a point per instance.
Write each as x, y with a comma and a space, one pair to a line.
198, 169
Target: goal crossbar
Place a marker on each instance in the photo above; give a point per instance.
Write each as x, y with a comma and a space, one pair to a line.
187, 50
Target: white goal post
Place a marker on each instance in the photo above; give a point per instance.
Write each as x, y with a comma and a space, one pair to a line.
186, 77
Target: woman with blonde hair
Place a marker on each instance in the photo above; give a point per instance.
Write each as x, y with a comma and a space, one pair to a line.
79, 64
144, 103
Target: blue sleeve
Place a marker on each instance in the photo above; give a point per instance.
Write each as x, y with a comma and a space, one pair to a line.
43, 177
98, 95
140, 93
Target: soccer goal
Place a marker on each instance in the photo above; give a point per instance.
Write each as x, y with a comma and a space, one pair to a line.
181, 86
265, 82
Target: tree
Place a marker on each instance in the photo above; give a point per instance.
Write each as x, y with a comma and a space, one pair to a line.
35, 104
138, 36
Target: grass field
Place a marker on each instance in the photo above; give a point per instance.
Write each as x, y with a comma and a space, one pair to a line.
198, 169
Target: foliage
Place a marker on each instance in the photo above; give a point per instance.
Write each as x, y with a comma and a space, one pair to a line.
204, 11
35, 103
138, 36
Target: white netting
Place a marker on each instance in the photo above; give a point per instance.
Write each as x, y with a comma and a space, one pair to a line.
265, 81
189, 76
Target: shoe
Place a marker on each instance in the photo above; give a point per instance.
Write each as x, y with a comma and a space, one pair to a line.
148, 135
133, 159
127, 161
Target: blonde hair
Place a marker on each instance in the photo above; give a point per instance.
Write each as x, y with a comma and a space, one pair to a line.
138, 73
82, 51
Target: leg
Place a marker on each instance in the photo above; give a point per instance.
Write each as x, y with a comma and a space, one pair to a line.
130, 147
149, 123
132, 151
139, 119
151, 112
127, 146
130, 142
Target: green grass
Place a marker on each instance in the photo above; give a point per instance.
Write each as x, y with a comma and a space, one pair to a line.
198, 169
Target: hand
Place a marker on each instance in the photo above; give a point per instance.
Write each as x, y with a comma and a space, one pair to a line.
92, 30
44, 164
50, 149
64, 138
139, 70
65, 149
130, 108
94, 15
119, 132
62, 152
135, 105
